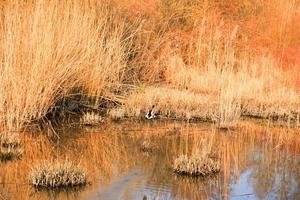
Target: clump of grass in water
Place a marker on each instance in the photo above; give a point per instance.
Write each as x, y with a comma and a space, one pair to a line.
9, 146
10, 153
91, 119
9, 139
146, 146
196, 165
203, 160
58, 174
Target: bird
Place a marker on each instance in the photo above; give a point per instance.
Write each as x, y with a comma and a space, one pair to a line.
151, 113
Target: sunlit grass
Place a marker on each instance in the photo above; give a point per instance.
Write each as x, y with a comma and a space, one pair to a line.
200, 48
51, 49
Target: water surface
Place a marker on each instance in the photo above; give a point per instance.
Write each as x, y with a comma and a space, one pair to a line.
258, 162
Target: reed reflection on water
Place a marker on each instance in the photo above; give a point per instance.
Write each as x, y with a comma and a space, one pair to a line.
256, 161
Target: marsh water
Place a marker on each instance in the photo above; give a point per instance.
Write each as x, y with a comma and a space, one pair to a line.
257, 161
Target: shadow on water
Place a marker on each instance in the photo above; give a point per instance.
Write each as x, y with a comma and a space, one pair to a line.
257, 162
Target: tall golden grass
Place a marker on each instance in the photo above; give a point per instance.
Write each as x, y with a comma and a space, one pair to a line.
216, 81
50, 50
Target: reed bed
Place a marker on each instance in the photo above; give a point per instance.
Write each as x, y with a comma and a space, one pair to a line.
212, 55
210, 71
218, 82
50, 50
222, 95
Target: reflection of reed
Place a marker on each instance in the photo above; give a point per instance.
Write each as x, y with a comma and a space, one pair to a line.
196, 188
238, 151
102, 155
277, 170
108, 153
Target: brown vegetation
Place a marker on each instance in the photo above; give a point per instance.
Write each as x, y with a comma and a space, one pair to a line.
10, 153
208, 54
9, 139
203, 160
195, 166
91, 119
58, 174
148, 147
50, 50
10, 146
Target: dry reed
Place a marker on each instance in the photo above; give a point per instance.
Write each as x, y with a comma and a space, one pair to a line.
48, 49
219, 83
202, 51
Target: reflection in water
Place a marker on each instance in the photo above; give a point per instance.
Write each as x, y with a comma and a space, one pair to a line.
257, 162
243, 187
123, 183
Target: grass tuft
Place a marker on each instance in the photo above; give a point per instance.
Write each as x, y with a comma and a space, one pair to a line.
9, 139
10, 153
195, 165
10, 146
147, 146
58, 174
91, 119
